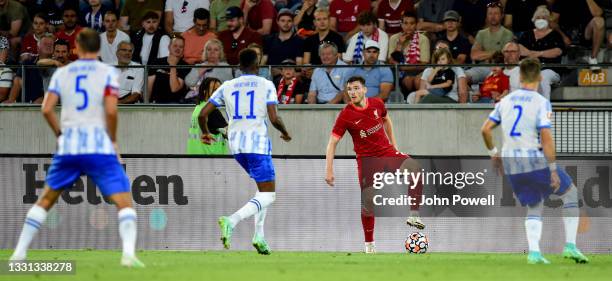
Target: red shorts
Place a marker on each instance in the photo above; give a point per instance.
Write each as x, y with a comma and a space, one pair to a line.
388, 161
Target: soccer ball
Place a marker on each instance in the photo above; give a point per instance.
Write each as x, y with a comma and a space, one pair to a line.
417, 243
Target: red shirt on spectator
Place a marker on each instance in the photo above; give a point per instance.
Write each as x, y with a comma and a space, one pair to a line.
496, 82
263, 10
393, 16
346, 13
232, 46
71, 39
29, 44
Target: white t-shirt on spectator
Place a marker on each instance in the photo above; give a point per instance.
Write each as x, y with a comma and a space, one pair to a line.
163, 51
108, 51
131, 80
549, 77
383, 45
183, 16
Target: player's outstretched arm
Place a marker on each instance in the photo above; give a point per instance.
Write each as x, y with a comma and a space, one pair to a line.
388, 125
48, 111
548, 147
277, 122
487, 136
207, 137
329, 159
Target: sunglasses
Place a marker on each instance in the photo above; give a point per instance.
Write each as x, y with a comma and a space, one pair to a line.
184, 8
234, 44
494, 4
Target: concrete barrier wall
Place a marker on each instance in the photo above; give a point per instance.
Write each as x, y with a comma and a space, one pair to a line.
420, 130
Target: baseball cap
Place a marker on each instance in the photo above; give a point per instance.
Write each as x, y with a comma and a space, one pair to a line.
285, 12
4, 43
371, 44
451, 15
288, 62
233, 12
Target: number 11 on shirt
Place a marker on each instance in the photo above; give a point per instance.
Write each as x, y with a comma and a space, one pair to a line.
237, 115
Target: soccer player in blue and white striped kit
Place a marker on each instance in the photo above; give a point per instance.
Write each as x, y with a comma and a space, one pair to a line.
86, 143
528, 157
249, 101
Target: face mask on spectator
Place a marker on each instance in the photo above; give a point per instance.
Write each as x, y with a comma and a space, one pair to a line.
541, 23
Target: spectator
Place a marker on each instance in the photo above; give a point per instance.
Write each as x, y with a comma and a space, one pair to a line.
291, 88
70, 31
542, 42
131, 79
473, 14
304, 18
368, 30
133, 12
167, 85
390, 12
285, 44
55, 12
578, 21
179, 14
458, 44
14, 22
29, 45
263, 71
328, 83
93, 15
511, 53
218, 22
409, 47
260, 15
343, 15
237, 36
324, 34
518, 14
488, 41
378, 80
441, 78
216, 123
61, 55
197, 36
496, 85
458, 93
37, 78
150, 42
212, 56
431, 14
110, 39
6, 74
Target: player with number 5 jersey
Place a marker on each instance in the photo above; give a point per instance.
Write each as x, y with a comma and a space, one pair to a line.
249, 102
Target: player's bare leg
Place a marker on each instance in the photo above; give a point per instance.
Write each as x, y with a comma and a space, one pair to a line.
34, 219
127, 228
414, 219
256, 206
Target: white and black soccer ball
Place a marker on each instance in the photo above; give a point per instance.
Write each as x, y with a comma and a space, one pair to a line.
416, 243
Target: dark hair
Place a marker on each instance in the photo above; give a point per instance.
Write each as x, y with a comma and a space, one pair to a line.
201, 14
41, 16
61, 42
248, 59
176, 36
71, 8
111, 12
409, 14
496, 4
530, 70
88, 40
497, 57
150, 15
366, 17
203, 90
356, 79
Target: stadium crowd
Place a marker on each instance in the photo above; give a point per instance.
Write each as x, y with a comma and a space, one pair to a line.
173, 35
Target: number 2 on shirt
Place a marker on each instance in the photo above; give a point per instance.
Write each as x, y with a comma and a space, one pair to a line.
82, 91
513, 132
237, 115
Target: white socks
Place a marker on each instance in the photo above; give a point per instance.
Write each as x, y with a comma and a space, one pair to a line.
127, 231
570, 214
259, 223
34, 219
533, 226
254, 206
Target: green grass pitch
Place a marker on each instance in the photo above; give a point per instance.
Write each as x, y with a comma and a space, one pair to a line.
319, 266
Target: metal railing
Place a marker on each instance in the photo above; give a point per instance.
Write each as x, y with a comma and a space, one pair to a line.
583, 129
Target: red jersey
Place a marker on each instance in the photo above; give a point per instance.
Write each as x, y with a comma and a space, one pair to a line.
262, 11
29, 44
393, 15
366, 128
346, 13
494, 83
71, 39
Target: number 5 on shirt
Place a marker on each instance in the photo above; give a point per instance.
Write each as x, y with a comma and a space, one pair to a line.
79, 90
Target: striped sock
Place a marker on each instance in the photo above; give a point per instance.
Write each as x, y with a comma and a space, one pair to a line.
127, 231
34, 220
255, 205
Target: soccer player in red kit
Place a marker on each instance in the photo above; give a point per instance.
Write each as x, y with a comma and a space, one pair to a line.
372, 132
